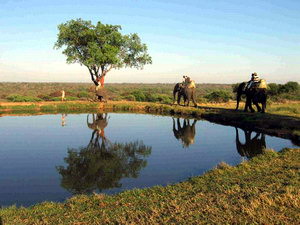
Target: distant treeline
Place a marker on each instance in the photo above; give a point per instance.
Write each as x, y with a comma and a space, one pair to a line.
27, 92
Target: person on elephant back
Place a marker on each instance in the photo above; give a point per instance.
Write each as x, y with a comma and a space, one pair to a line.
187, 82
253, 82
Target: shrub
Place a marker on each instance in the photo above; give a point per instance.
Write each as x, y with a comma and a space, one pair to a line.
289, 87
55, 94
44, 97
83, 94
129, 97
139, 96
273, 89
218, 96
20, 98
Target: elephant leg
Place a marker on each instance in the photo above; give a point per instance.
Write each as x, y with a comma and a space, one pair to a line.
264, 102
178, 98
263, 107
250, 99
193, 98
238, 99
247, 104
174, 97
257, 106
188, 101
251, 108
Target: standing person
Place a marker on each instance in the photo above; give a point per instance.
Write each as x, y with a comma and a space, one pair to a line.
63, 119
63, 94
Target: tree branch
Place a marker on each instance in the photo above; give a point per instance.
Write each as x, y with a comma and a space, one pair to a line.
92, 76
111, 67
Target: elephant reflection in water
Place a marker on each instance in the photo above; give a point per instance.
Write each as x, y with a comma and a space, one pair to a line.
186, 133
252, 146
102, 166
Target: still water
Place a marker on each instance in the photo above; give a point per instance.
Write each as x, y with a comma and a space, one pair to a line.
52, 157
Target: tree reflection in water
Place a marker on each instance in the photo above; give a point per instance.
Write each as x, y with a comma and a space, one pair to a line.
102, 164
252, 146
186, 133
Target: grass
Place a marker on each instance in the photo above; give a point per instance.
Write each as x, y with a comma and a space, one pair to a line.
291, 109
264, 190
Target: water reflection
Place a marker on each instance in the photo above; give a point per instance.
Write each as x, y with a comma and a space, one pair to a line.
101, 164
252, 146
63, 119
98, 124
185, 132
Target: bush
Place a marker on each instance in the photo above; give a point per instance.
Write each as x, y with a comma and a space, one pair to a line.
83, 94
139, 96
273, 89
129, 98
44, 97
289, 87
55, 94
218, 96
20, 98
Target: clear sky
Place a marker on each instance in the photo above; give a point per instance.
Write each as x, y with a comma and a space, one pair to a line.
219, 41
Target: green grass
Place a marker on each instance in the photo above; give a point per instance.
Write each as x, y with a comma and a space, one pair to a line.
264, 190
285, 109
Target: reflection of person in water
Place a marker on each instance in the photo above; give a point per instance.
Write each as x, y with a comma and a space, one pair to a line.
186, 133
252, 146
101, 166
63, 119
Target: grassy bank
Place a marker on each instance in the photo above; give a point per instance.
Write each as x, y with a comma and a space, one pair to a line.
157, 92
264, 190
283, 119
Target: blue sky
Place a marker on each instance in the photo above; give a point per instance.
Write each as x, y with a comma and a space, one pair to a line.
211, 41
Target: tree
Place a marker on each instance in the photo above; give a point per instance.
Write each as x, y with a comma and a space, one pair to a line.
100, 47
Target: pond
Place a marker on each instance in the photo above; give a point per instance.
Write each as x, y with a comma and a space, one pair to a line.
52, 157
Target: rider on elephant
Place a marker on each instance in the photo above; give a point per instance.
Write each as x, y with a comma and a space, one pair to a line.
253, 82
187, 82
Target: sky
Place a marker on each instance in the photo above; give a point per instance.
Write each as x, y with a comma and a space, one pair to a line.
220, 41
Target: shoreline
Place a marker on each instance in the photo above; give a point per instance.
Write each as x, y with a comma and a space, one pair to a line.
283, 126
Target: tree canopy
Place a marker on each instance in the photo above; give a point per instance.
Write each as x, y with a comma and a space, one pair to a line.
100, 47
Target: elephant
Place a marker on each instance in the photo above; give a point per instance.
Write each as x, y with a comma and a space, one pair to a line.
186, 133
188, 94
253, 95
252, 146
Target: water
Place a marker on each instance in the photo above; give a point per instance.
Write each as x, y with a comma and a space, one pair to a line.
52, 157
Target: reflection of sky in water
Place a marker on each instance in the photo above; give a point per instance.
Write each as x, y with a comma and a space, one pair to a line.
32, 146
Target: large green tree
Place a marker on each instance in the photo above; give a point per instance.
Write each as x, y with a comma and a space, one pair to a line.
100, 47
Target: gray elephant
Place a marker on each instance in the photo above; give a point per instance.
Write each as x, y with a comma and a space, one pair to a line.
253, 95
186, 133
252, 146
183, 91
